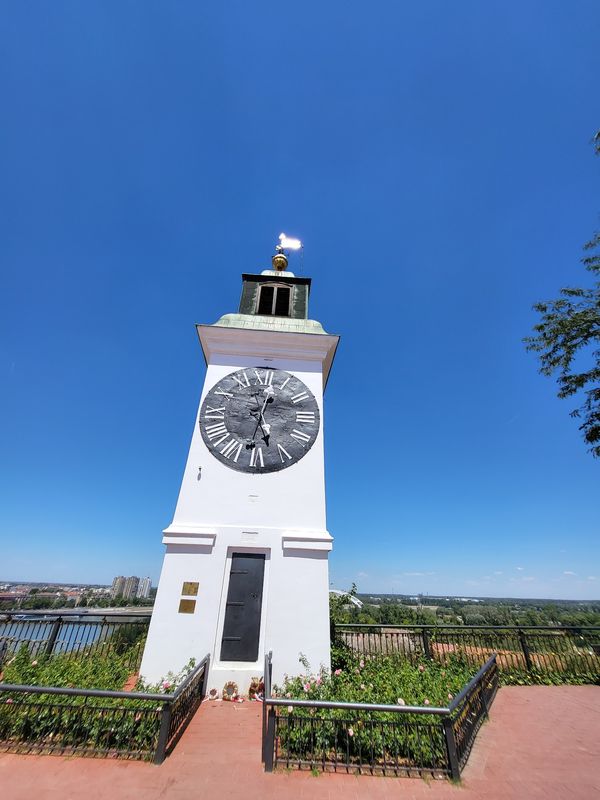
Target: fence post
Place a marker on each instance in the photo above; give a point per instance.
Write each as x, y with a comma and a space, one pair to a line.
204, 689
482, 697
451, 748
269, 745
268, 671
53, 636
525, 649
266, 694
163, 734
426, 645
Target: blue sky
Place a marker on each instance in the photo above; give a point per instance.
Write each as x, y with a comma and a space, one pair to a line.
434, 157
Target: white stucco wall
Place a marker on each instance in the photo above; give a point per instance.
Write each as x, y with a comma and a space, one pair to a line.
280, 514
223, 495
294, 610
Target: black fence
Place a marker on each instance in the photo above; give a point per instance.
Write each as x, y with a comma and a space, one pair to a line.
94, 722
565, 652
74, 634
368, 738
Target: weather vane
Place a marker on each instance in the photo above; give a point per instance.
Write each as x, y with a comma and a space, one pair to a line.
287, 243
280, 260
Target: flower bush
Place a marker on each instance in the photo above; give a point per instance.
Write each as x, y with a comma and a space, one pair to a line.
87, 671
169, 683
49, 722
380, 738
383, 680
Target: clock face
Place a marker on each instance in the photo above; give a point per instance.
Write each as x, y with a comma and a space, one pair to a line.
259, 420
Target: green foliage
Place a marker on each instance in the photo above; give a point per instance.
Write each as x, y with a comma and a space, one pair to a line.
565, 338
84, 724
388, 612
383, 679
169, 683
47, 723
130, 637
340, 605
415, 740
401, 610
89, 671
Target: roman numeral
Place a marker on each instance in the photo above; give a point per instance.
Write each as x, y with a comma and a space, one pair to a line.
256, 455
230, 447
305, 416
213, 431
300, 437
214, 413
297, 398
284, 383
283, 452
243, 382
268, 377
223, 394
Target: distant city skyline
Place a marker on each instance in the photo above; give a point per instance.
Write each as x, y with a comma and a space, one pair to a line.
132, 586
370, 593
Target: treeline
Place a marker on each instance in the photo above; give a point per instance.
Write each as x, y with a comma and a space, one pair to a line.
396, 611
116, 602
34, 602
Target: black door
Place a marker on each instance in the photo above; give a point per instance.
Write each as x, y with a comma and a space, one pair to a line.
242, 613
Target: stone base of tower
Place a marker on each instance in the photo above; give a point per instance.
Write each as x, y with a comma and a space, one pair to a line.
193, 611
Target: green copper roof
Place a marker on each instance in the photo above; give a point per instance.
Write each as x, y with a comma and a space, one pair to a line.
260, 323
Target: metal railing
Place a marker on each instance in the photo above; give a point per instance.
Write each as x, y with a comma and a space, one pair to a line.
467, 712
73, 633
184, 704
267, 684
137, 725
535, 650
377, 738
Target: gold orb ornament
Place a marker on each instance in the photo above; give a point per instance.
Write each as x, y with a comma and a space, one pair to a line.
280, 262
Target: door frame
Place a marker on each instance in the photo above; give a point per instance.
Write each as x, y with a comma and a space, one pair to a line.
231, 549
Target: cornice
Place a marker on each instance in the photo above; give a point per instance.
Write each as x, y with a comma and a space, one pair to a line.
229, 341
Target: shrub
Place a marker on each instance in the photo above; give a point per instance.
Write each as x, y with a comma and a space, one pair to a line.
384, 738
50, 722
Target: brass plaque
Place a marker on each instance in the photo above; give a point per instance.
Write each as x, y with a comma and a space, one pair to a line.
190, 589
187, 606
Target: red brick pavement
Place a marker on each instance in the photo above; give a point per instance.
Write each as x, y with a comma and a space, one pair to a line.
541, 742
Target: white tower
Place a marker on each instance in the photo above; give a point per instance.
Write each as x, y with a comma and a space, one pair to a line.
246, 563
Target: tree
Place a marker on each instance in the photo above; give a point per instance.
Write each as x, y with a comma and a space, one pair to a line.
568, 336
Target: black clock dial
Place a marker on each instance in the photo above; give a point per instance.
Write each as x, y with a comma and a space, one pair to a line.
259, 420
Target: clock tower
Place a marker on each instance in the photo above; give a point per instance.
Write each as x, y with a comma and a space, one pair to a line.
246, 563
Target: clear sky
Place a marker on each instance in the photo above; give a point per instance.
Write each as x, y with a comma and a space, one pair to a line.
434, 157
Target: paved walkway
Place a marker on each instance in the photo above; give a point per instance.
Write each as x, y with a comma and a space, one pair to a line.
541, 742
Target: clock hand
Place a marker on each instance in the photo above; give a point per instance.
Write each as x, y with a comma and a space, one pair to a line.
261, 415
266, 432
